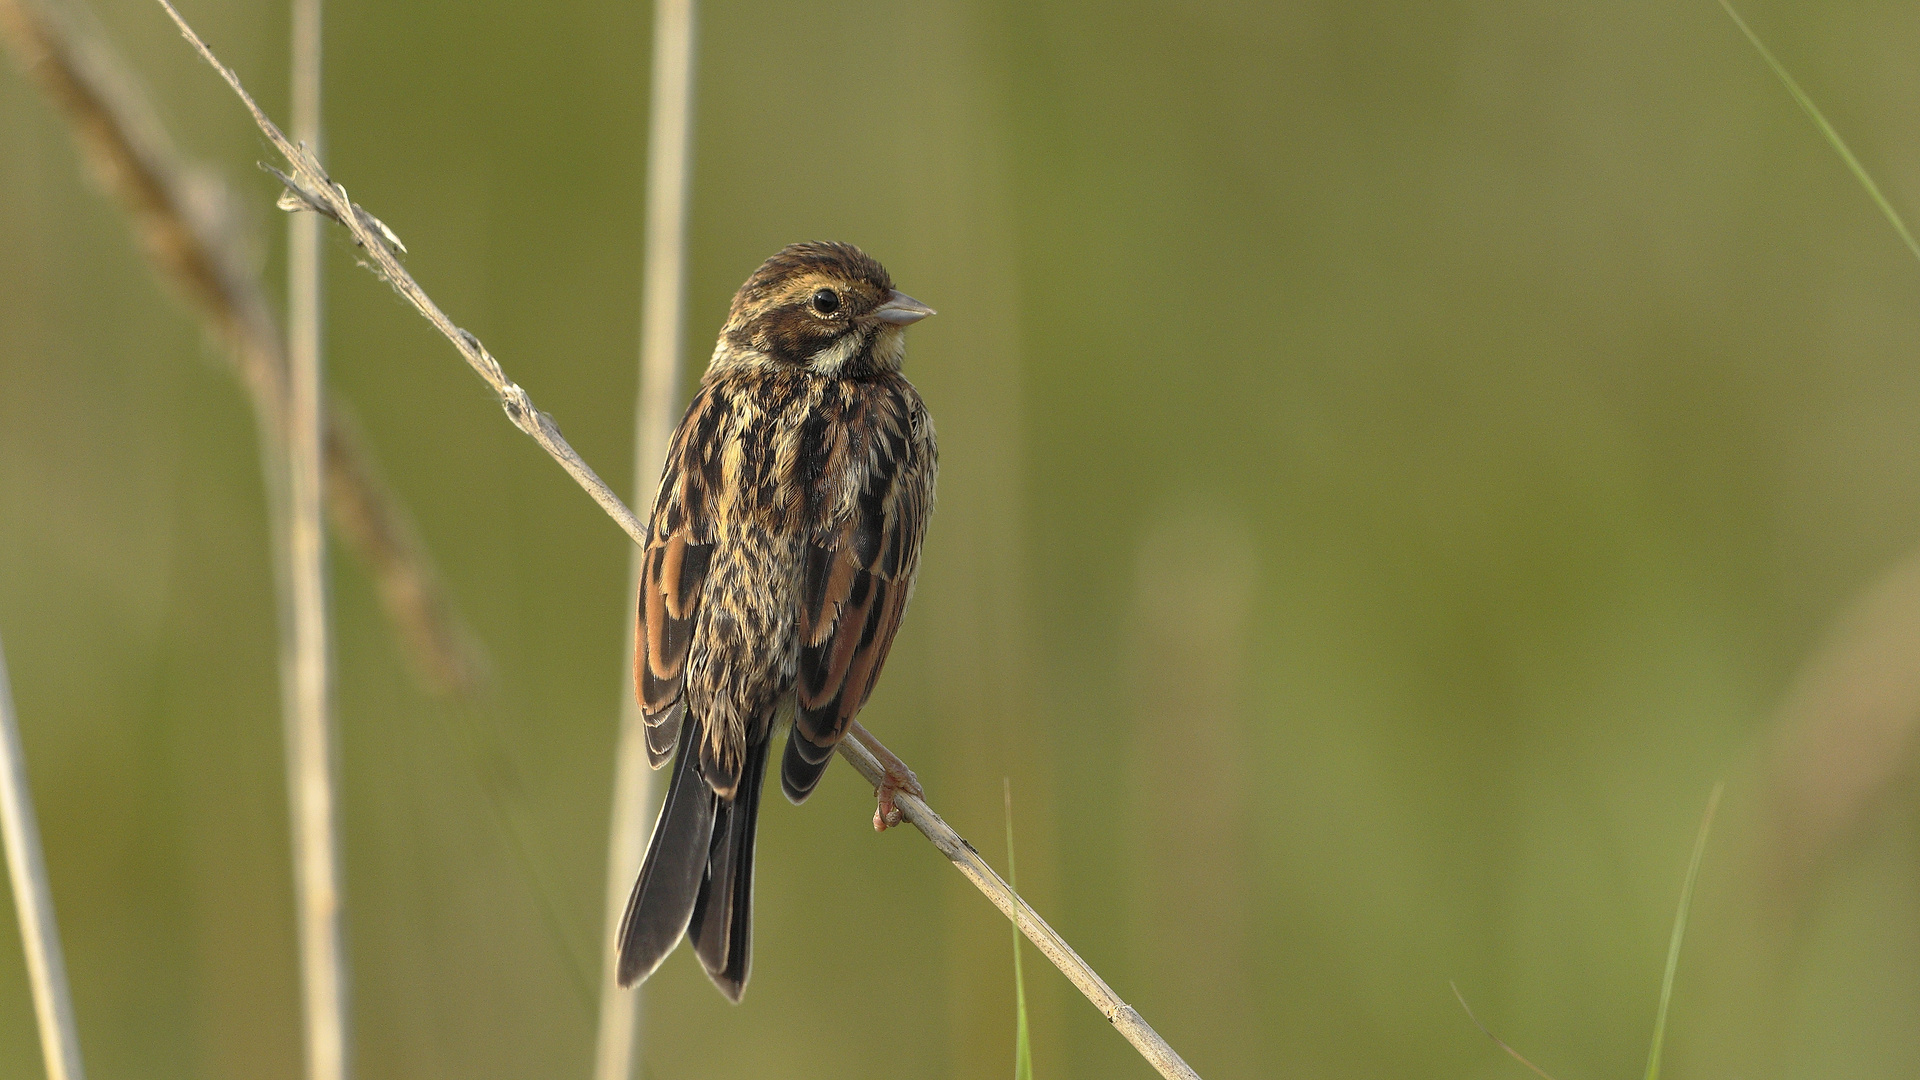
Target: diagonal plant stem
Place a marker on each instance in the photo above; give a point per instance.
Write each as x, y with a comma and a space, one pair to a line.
1833, 136
1497, 1040
857, 749
180, 213
33, 901
310, 185
662, 332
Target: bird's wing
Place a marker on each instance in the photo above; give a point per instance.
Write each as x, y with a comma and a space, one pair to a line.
673, 573
857, 578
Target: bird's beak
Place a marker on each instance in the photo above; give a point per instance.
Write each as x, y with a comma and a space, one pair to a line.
901, 310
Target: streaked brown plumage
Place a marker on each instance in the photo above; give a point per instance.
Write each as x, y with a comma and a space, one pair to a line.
780, 556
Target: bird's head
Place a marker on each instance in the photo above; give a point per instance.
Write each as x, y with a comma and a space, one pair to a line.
826, 307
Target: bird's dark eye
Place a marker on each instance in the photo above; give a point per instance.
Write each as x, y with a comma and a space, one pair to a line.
826, 302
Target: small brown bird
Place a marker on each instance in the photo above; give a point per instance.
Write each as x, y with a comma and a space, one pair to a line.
780, 556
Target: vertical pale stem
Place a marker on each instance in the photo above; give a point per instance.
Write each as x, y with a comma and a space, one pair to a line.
308, 669
664, 277
33, 901
662, 331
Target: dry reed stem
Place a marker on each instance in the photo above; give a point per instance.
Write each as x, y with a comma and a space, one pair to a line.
312, 781
309, 187
662, 332
180, 214
310, 184
33, 901
1051, 945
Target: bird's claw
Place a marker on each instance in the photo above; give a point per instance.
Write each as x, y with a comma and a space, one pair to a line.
885, 814
895, 778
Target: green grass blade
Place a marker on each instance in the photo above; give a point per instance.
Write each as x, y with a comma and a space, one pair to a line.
1022, 1048
1833, 137
1497, 1040
1680, 926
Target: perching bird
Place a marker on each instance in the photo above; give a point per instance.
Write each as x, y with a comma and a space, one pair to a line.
780, 556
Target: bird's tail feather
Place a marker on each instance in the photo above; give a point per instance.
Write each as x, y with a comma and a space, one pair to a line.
722, 923
801, 766
670, 880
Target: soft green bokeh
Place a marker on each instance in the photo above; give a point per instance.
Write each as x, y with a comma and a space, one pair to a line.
1395, 459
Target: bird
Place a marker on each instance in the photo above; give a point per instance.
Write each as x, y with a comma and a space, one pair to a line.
780, 556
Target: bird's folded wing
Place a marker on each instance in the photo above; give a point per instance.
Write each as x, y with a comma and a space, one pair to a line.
852, 595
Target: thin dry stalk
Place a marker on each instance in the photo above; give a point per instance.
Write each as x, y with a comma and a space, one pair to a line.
663, 287
180, 214
311, 185
312, 787
662, 331
33, 901
1497, 1040
1051, 945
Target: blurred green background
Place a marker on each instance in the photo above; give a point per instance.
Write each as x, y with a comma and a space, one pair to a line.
1395, 459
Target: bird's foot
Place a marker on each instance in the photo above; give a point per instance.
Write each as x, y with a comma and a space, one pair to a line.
897, 778
885, 814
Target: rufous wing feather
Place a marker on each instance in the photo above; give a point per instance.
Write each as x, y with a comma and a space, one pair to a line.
672, 576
